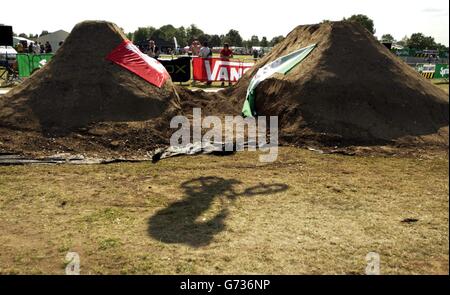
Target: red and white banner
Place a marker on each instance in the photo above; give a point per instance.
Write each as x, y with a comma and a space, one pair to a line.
127, 55
217, 69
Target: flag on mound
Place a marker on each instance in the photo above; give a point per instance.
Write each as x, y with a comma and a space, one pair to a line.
128, 56
281, 65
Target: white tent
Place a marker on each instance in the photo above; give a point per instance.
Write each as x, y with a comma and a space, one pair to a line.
54, 39
7, 51
16, 41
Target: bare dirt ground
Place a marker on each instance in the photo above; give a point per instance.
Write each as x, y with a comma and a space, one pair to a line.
307, 213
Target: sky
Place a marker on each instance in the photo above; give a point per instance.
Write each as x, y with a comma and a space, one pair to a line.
263, 18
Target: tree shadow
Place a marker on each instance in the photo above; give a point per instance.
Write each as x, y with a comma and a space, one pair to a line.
179, 224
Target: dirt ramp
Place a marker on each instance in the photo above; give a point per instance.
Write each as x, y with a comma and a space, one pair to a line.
79, 86
80, 94
350, 90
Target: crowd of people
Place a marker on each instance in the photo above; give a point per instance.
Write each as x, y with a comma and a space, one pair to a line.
34, 48
196, 49
204, 51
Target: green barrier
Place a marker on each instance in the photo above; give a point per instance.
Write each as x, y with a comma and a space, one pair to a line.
433, 71
419, 53
28, 63
441, 71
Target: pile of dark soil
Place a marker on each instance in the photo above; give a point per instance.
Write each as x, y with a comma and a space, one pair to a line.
350, 90
211, 103
82, 102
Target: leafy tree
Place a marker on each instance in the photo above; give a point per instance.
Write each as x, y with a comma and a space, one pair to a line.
215, 41
204, 38
388, 38
403, 42
181, 36
247, 43
43, 33
142, 34
193, 32
441, 47
158, 34
168, 32
233, 38
420, 41
364, 20
264, 42
254, 41
276, 40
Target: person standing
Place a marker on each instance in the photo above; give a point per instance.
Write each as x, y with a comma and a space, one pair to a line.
31, 48
255, 54
195, 48
19, 47
153, 50
48, 47
206, 52
225, 54
37, 48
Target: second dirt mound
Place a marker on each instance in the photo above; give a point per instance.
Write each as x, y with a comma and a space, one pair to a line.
350, 90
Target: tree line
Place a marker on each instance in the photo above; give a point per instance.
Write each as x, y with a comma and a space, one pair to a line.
417, 41
185, 36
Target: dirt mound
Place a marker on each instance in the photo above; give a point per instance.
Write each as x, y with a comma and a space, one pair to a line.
85, 102
211, 103
349, 90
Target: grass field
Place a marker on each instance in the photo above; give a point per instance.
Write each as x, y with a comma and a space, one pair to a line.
305, 213
443, 84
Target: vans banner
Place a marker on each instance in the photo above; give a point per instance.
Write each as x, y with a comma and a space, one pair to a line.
218, 69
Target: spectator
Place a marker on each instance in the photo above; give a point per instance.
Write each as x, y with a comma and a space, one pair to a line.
48, 47
37, 48
225, 54
30, 48
19, 47
195, 48
205, 52
261, 53
42, 48
153, 50
255, 54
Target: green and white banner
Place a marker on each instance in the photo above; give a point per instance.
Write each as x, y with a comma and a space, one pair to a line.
28, 63
433, 71
281, 65
441, 71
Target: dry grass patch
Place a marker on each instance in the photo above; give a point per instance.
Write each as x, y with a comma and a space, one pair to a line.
305, 213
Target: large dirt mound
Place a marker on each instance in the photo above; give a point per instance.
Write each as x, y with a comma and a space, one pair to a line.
86, 103
349, 90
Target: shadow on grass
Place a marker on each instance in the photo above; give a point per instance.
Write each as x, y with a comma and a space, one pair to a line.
179, 222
